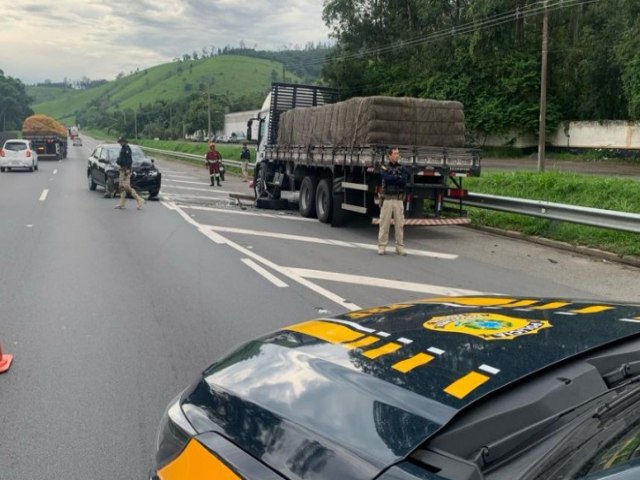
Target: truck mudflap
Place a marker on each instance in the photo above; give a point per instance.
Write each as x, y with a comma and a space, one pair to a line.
429, 221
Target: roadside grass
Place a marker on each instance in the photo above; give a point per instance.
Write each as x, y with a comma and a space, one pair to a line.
577, 155
588, 191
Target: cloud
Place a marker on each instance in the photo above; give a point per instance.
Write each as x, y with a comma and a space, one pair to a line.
96, 39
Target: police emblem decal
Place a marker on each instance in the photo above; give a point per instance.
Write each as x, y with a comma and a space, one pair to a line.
488, 326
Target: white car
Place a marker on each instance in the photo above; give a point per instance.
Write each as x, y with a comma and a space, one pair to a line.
18, 153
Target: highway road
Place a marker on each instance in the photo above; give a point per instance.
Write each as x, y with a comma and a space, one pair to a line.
110, 313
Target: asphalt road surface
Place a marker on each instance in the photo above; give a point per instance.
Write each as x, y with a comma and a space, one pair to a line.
110, 313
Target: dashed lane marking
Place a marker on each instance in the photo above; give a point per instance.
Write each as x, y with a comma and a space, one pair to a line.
43, 195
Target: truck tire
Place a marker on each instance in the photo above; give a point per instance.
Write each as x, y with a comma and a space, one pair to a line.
272, 203
324, 200
307, 200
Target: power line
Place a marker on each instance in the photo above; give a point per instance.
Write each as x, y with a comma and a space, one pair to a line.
470, 27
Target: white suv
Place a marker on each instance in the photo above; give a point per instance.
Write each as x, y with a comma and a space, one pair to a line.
17, 153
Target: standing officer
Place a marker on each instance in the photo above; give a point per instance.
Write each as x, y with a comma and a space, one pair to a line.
245, 156
213, 161
394, 181
125, 162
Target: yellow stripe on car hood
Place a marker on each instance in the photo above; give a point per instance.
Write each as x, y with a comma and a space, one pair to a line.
197, 463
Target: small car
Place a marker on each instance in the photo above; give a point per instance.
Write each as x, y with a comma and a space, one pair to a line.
18, 153
103, 171
452, 388
77, 141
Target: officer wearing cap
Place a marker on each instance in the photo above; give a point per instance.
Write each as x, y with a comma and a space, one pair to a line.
125, 162
394, 181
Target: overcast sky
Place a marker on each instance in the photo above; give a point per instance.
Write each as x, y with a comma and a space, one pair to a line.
54, 39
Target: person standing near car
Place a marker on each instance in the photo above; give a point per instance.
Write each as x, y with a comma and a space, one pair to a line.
125, 162
245, 156
213, 160
394, 181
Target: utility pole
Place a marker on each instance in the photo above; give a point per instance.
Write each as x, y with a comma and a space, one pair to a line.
209, 111
543, 90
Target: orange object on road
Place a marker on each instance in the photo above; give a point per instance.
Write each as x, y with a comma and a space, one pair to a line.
5, 360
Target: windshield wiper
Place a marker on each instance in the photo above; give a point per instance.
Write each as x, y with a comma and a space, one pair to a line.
623, 372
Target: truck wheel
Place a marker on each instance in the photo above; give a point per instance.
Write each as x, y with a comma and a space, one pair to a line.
324, 200
307, 201
90, 182
272, 203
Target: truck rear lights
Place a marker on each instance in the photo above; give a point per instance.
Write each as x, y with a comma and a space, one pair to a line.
456, 193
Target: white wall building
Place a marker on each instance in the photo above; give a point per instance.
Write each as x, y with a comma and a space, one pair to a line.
613, 134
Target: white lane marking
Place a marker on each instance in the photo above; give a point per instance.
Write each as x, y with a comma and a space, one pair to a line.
55, 171
217, 238
381, 282
269, 276
435, 351
210, 189
406, 341
191, 183
384, 334
243, 212
629, 320
44, 194
489, 369
171, 177
325, 241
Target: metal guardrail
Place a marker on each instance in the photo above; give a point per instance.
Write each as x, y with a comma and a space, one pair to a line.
191, 156
596, 217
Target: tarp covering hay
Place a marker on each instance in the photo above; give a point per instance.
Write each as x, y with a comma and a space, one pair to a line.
376, 121
43, 125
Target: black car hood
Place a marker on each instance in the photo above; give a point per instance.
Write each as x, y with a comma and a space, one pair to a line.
347, 397
142, 166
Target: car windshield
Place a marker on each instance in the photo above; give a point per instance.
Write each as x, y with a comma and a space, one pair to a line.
136, 152
15, 146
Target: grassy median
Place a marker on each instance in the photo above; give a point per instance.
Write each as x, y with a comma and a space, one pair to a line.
588, 191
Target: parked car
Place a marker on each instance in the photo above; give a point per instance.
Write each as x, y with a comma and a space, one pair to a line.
103, 171
18, 153
455, 388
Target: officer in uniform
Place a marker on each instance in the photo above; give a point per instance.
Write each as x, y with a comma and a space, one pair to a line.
394, 181
125, 162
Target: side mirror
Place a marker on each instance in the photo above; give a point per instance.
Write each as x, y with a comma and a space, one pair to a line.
249, 124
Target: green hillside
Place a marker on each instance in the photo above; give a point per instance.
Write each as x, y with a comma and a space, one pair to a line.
237, 83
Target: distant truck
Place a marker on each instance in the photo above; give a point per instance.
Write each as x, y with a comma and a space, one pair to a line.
48, 136
73, 132
332, 154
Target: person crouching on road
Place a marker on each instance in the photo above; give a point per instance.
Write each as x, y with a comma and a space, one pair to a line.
214, 162
394, 181
125, 162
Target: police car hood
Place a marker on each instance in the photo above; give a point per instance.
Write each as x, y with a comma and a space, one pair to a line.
347, 397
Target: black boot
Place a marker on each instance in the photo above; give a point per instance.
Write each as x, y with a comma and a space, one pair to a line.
219, 183
212, 183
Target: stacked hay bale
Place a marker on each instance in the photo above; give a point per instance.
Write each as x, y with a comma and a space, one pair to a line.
43, 125
376, 121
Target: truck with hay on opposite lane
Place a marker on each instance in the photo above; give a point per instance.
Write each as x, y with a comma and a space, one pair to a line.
332, 154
